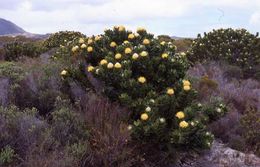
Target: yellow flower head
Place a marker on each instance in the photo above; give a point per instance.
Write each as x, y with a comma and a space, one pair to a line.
110, 65
144, 53
146, 41
112, 44
118, 65
90, 49
83, 46
186, 87
144, 116
142, 79
90, 41
90, 68
75, 48
131, 36
103, 62
126, 42
170, 91
163, 43
180, 115
186, 83
97, 38
165, 55
121, 28
81, 41
135, 56
140, 29
183, 124
64, 72
118, 56
128, 50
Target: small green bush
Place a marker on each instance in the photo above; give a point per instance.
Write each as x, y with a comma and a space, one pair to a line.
250, 124
237, 47
17, 50
7, 154
61, 38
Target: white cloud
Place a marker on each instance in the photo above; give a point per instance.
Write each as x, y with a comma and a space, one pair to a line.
92, 16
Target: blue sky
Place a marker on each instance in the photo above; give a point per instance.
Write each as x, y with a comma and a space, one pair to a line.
185, 18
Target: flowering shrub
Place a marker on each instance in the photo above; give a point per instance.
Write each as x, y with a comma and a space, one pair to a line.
61, 39
147, 76
237, 47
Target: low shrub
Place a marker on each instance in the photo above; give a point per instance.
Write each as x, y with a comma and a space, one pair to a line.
17, 50
147, 77
7, 155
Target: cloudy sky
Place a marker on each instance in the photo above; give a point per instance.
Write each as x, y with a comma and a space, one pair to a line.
183, 18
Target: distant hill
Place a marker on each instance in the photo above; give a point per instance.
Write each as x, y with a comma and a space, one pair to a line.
8, 28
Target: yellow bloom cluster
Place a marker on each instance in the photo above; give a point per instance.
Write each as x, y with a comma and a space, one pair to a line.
131, 36
103, 62
144, 53
110, 65
128, 50
140, 29
170, 91
90, 41
90, 68
183, 124
142, 79
112, 44
180, 115
144, 116
118, 56
135, 56
165, 55
64, 72
186, 85
118, 65
81, 41
83, 46
146, 41
90, 49
75, 48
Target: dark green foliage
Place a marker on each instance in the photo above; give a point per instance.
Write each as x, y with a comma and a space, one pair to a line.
237, 47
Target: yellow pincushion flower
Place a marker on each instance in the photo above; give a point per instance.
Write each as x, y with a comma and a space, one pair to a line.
83, 46
180, 115
110, 65
186, 87
126, 42
103, 62
165, 55
118, 56
142, 79
135, 56
118, 65
64, 72
97, 38
128, 50
170, 91
140, 29
144, 53
90, 49
186, 83
81, 41
146, 41
121, 28
112, 44
90, 68
144, 116
75, 48
163, 43
183, 124
90, 41
131, 36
